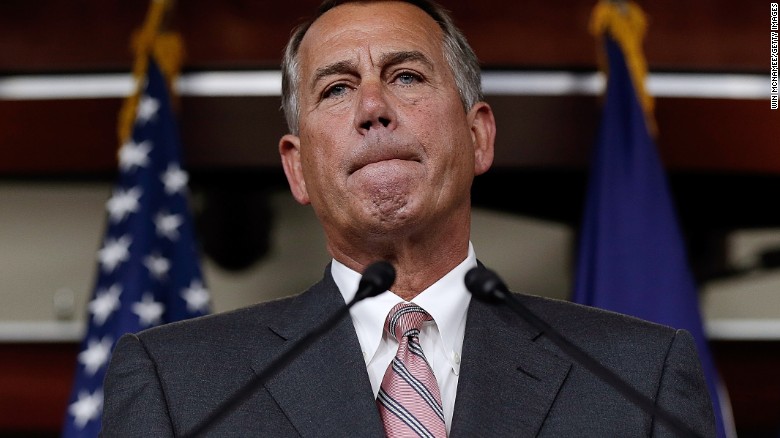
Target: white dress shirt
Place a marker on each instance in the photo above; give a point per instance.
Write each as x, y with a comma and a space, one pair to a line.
446, 301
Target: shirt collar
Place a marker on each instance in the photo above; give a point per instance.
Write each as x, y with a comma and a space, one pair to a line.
446, 300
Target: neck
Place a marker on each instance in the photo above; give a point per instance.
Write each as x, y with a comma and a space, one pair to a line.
418, 264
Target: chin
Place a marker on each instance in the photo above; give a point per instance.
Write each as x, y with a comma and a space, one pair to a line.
392, 225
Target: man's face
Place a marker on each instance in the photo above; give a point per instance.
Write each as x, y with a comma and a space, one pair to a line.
385, 147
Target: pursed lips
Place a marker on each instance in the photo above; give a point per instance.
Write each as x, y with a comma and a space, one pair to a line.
377, 155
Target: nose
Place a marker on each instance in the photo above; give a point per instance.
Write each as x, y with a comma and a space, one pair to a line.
374, 108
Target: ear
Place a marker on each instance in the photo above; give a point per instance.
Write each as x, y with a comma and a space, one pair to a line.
483, 136
290, 150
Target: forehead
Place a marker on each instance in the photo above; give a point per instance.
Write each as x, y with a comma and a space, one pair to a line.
377, 27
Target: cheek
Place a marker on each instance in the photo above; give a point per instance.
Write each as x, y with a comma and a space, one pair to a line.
322, 164
448, 137
453, 157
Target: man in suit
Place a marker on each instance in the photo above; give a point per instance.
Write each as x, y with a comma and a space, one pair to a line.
388, 128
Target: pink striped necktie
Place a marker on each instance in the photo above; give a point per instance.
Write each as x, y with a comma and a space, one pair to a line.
409, 400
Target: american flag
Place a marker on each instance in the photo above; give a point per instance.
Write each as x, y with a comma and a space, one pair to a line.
148, 271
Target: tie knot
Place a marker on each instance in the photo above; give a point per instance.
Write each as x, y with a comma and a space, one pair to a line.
405, 319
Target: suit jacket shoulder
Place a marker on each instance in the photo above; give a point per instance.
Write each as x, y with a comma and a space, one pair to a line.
534, 389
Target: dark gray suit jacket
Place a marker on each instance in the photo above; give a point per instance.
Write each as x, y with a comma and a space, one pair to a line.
513, 381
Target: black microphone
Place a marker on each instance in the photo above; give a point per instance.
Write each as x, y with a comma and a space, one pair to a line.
486, 285
377, 278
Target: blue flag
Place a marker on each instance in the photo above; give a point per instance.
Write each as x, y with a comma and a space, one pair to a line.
148, 271
632, 256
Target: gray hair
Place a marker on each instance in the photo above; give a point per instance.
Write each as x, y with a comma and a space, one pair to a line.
460, 57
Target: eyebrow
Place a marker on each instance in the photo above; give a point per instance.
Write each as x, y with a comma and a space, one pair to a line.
395, 58
387, 59
336, 68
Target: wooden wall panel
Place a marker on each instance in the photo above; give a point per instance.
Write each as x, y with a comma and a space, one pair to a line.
77, 136
89, 35
719, 135
237, 133
35, 382
60, 137
749, 371
65, 35
73, 137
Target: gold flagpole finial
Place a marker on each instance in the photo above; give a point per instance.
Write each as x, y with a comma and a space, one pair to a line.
152, 40
625, 22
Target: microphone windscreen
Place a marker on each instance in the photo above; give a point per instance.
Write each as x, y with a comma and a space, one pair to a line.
377, 278
484, 284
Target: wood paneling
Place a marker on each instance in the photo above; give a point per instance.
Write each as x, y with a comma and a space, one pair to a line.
719, 135
35, 382
749, 371
84, 35
61, 137
75, 137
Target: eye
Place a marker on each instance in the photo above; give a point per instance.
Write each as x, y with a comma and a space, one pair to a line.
407, 78
336, 90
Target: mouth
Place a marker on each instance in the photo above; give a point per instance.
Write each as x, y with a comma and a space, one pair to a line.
382, 155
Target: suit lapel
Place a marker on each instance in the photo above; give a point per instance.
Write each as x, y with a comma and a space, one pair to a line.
508, 381
325, 391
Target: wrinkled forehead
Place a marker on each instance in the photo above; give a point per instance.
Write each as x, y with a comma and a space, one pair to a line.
383, 25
